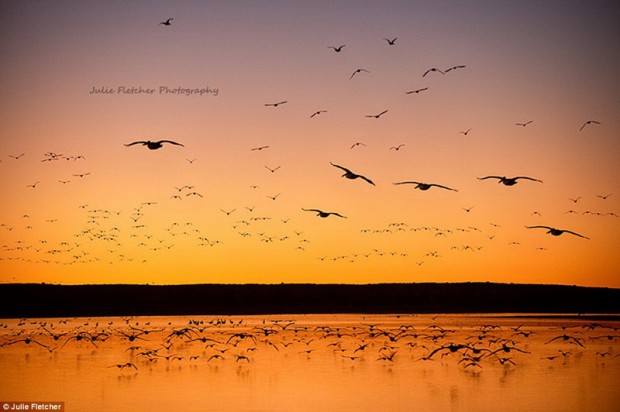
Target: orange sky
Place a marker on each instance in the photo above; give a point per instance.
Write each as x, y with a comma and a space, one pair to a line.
553, 63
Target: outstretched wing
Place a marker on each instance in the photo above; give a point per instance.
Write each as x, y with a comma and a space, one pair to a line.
576, 234
340, 167
539, 227
407, 183
367, 179
337, 214
138, 142
312, 210
443, 187
490, 177
170, 141
527, 178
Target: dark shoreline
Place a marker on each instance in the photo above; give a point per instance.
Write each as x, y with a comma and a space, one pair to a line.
47, 300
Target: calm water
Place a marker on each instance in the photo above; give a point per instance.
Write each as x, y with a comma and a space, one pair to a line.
313, 363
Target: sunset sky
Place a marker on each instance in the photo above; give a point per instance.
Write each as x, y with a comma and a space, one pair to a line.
554, 63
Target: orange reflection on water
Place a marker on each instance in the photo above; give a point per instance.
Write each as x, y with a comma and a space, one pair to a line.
314, 362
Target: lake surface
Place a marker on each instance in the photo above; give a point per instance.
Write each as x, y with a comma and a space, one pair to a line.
314, 363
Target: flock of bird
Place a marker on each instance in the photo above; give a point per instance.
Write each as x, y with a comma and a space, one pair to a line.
137, 344
122, 232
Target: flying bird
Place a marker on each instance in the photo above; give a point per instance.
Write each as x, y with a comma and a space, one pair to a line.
587, 123
167, 22
509, 181
376, 116
16, 157
272, 170
417, 90
259, 148
524, 124
454, 68
317, 113
604, 197
358, 71
350, 175
323, 214
357, 144
153, 145
397, 148
276, 104
433, 69
556, 232
337, 49
466, 132
391, 42
425, 186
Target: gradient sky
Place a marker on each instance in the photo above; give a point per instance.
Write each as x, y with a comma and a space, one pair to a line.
553, 62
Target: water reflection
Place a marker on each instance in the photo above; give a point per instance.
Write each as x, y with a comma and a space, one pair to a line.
314, 362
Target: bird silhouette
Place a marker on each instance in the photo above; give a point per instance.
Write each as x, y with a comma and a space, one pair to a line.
358, 71
350, 175
167, 22
509, 181
556, 232
391, 42
376, 116
524, 124
397, 148
433, 69
466, 132
317, 113
276, 104
153, 145
425, 186
272, 170
124, 365
587, 123
417, 90
454, 68
337, 49
259, 148
323, 214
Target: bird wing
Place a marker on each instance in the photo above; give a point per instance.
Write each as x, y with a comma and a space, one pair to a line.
539, 227
576, 234
138, 142
340, 167
312, 210
367, 179
407, 183
337, 214
528, 178
170, 141
383, 112
443, 187
490, 177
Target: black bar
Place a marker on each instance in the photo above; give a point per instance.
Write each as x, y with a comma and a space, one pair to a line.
47, 300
